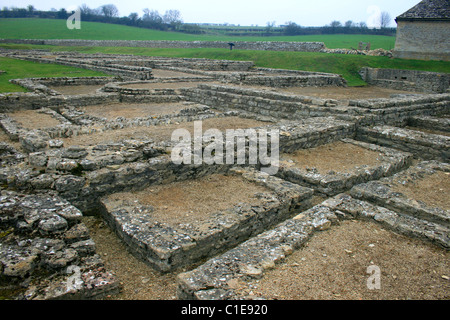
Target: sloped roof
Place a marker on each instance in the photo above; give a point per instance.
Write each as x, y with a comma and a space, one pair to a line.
428, 10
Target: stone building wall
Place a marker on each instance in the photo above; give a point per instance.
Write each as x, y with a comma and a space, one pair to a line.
424, 40
407, 80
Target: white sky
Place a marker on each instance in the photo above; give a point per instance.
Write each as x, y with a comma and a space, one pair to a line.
244, 12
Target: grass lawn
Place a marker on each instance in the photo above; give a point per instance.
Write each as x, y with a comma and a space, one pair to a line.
25, 28
27, 69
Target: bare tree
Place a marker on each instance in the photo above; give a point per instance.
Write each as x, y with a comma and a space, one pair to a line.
385, 19
152, 16
133, 17
109, 10
362, 25
172, 17
270, 25
348, 24
335, 24
85, 10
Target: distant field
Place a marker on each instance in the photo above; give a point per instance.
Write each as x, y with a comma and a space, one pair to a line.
345, 65
27, 69
56, 29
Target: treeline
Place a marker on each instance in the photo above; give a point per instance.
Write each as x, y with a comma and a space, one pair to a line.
151, 19
171, 21
335, 27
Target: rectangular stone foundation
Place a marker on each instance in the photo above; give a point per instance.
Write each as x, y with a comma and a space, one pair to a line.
423, 145
168, 246
404, 192
340, 179
223, 277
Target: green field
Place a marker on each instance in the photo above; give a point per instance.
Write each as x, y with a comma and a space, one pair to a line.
16, 69
56, 29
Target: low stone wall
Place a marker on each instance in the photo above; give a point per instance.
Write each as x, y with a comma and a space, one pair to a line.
238, 45
382, 193
74, 122
10, 102
84, 174
431, 123
313, 132
281, 106
201, 64
74, 81
336, 182
169, 247
397, 110
407, 80
124, 71
291, 81
393, 111
41, 96
422, 145
377, 52
40, 85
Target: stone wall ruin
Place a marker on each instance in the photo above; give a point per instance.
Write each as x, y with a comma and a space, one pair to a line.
76, 160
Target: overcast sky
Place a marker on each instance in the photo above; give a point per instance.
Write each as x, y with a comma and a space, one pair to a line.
244, 12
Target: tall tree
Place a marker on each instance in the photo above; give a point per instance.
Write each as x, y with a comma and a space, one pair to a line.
152, 16
133, 17
385, 19
270, 25
85, 10
109, 10
335, 24
172, 17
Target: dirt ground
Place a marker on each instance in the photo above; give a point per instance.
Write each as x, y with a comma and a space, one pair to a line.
130, 110
160, 132
431, 189
194, 201
344, 93
31, 119
410, 269
76, 90
164, 85
337, 156
160, 73
138, 281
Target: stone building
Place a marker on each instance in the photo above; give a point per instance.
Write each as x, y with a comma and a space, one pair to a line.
423, 32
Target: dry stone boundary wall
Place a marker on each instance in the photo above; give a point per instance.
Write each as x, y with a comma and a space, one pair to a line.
243, 45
